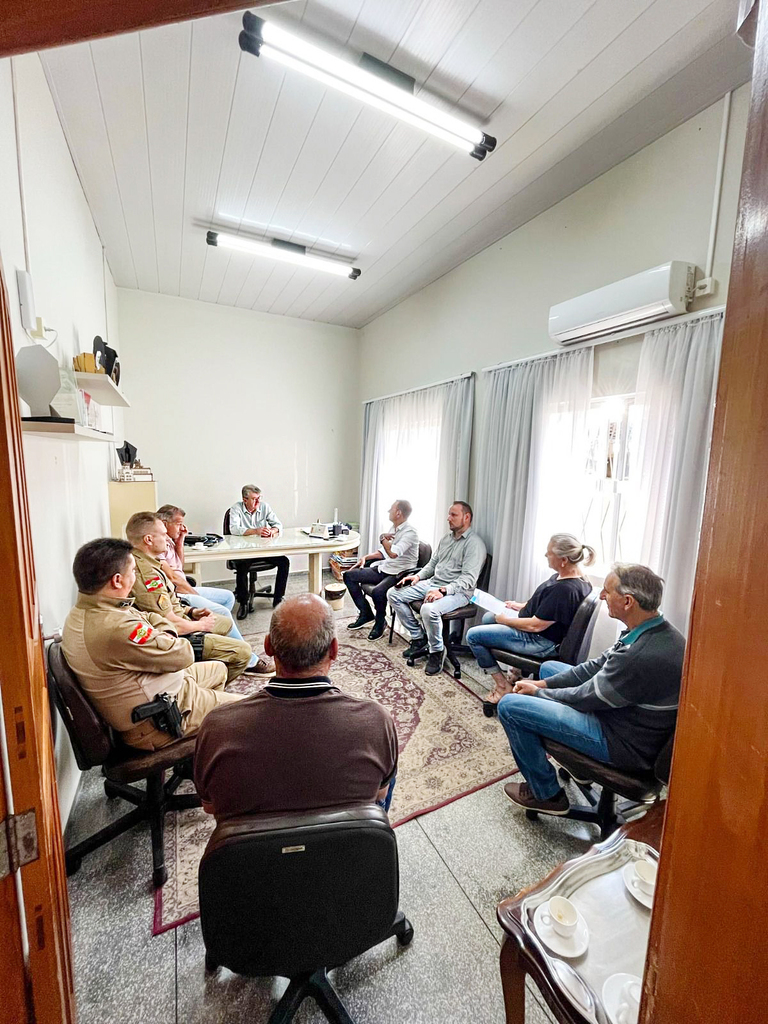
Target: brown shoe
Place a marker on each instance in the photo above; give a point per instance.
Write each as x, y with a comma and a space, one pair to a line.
264, 667
520, 793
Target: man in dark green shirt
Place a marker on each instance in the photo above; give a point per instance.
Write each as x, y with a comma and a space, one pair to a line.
620, 708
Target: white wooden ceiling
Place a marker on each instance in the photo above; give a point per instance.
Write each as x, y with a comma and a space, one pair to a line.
175, 130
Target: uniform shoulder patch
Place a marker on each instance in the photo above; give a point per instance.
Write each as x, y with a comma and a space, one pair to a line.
155, 583
141, 633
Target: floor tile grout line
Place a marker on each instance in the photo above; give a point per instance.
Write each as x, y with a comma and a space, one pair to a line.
450, 872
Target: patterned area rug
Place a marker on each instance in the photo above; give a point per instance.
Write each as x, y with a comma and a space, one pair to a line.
447, 750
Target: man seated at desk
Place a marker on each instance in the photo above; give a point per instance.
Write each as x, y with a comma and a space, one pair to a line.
124, 658
398, 552
253, 517
154, 591
620, 708
300, 743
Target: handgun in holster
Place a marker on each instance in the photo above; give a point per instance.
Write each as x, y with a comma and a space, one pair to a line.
165, 714
197, 640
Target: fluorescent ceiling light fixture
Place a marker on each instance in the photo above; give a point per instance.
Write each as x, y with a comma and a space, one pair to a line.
262, 38
287, 252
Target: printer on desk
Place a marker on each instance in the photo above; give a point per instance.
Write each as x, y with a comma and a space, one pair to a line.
325, 531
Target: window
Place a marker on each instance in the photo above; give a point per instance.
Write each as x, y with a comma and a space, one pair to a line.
611, 457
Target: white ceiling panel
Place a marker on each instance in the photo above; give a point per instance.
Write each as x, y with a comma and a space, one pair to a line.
175, 130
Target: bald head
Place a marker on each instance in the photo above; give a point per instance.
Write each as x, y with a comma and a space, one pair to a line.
302, 637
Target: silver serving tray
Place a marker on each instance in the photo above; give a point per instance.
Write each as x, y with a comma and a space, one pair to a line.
618, 924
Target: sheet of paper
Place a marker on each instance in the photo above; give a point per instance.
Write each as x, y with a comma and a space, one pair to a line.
490, 603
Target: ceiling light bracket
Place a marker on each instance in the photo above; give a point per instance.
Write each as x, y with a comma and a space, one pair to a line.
251, 38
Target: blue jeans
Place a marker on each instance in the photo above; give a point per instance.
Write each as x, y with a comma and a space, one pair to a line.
220, 602
504, 638
431, 613
526, 720
388, 798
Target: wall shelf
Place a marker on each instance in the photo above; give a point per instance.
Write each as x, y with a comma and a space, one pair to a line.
65, 431
101, 388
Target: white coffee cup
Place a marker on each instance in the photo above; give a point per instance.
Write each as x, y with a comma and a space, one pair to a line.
644, 875
561, 915
628, 1007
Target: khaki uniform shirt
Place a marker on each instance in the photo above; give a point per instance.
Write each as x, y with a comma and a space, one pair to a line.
122, 657
154, 591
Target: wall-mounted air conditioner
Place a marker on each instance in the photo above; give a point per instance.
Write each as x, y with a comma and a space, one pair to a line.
653, 295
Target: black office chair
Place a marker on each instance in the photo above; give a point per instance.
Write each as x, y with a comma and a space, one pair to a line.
605, 809
252, 565
573, 649
453, 639
94, 743
295, 895
425, 553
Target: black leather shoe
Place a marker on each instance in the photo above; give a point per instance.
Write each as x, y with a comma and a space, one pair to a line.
416, 647
242, 611
362, 620
377, 631
434, 662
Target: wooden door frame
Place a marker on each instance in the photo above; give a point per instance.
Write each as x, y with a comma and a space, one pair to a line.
685, 954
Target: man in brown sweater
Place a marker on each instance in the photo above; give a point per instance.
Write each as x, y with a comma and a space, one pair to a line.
300, 743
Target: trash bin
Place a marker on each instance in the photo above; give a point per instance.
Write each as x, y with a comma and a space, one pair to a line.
334, 595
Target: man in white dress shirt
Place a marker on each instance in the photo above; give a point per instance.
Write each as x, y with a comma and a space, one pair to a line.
253, 517
398, 552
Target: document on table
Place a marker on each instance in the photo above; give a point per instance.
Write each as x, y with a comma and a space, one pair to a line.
490, 603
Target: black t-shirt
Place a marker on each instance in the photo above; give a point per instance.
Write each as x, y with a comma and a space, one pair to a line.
556, 601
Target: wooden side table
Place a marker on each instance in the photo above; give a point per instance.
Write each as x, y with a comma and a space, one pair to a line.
522, 953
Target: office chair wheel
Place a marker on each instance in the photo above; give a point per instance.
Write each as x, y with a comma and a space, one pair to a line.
531, 815
159, 877
457, 673
210, 963
410, 662
407, 936
564, 774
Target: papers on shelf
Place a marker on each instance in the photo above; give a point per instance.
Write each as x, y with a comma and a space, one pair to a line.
490, 603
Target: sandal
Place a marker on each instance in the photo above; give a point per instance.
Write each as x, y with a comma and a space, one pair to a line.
490, 704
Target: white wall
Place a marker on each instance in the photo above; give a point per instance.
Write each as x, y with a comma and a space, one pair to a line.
654, 207
222, 396
66, 480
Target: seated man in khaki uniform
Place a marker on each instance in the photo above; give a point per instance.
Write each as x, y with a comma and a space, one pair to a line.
123, 658
155, 592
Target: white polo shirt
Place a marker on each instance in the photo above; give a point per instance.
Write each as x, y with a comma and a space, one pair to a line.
405, 549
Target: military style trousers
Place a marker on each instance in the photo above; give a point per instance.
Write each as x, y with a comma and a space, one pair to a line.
218, 646
201, 691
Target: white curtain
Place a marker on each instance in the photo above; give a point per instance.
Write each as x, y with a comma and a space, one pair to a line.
533, 451
676, 384
416, 446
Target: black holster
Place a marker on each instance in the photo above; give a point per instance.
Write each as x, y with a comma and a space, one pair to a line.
197, 640
165, 714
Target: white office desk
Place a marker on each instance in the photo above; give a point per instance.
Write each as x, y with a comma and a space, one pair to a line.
290, 542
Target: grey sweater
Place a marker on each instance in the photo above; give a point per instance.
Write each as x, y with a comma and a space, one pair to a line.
634, 690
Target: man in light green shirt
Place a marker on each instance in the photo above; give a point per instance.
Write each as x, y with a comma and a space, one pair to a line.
446, 582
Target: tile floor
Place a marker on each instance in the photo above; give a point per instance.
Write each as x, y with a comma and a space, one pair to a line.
455, 863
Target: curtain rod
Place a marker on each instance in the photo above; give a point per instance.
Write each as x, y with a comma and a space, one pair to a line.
422, 387
631, 332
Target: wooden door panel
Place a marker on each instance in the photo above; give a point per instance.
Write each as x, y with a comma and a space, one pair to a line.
27, 716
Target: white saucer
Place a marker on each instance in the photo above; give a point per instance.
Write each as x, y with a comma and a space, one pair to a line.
628, 874
570, 947
612, 993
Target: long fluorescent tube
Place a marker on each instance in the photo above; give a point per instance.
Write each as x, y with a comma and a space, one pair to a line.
260, 37
287, 252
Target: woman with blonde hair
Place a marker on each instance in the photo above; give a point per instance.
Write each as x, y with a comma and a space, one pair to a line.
538, 625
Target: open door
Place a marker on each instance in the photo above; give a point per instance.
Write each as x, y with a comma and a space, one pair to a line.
34, 908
